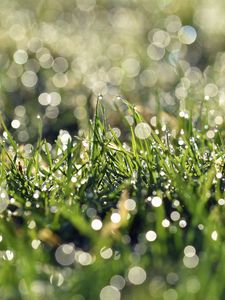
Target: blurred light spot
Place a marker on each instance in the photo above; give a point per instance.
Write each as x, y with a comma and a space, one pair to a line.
116, 131
148, 78
106, 253
64, 137
35, 244
211, 90
187, 35
151, 236
15, 124
96, 224
182, 223
86, 5
65, 254
14, 71
137, 275
193, 74
193, 285
23, 136
221, 202
109, 292
57, 279
17, 32
85, 258
42, 51
118, 282
115, 51
115, 75
29, 79
32, 224
219, 175
172, 278
52, 112
4, 200
156, 201
20, 57
142, 130
191, 262
153, 121
175, 216
55, 99
130, 204
219, 120
20, 110
165, 223
155, 53
173, 23
60, 80
46, 61
170, 294
44, 99
189, 251
36, 194
161, 39
181, 92
115, 217
214, 235
130, 120
91, 212
38, 288
9, 255
80, 113
210, 134
60, 65
32, 65
131, 67
34, 44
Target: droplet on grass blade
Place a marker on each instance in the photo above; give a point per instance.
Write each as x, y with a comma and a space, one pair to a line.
4, 200
100, 97
214, 235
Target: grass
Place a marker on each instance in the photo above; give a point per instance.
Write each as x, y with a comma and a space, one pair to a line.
68, 229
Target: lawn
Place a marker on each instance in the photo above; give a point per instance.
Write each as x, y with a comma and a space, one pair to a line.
113, 215
112, 158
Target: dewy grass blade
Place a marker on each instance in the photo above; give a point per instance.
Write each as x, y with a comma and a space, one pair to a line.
9, 136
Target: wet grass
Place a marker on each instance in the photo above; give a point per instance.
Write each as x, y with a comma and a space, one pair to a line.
140, 215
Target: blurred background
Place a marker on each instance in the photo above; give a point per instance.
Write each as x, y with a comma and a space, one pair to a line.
57, 56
